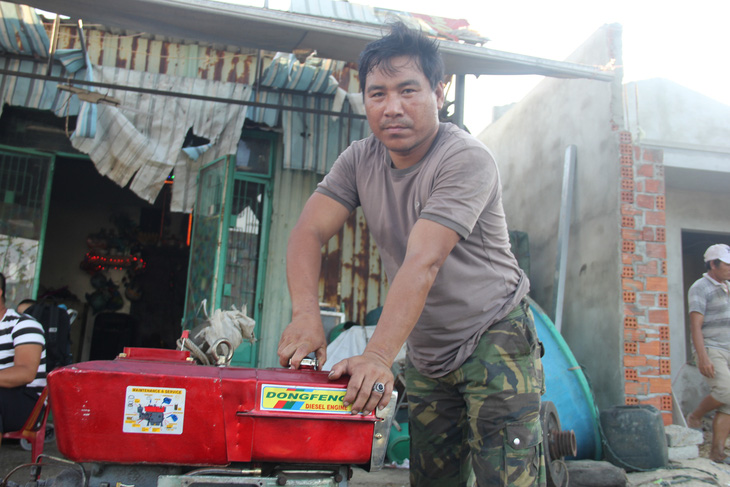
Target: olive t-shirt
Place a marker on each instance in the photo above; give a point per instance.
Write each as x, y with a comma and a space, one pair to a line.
457, 185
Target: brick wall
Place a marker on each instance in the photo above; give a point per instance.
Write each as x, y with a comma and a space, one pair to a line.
644, 278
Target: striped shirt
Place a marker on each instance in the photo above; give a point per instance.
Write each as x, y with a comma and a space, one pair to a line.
712, 300
18, 330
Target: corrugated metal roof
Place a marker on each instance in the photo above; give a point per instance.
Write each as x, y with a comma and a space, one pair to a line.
351, 12
30, 93
312, 140
21, 33
141, 53
24, 48
441, 27
316, 139
141, 139
239, 25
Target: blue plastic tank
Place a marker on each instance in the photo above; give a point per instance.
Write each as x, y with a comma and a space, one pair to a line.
567, 387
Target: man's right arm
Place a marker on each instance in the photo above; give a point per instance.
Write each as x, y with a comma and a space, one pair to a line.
703, 361
321, 218
25, 366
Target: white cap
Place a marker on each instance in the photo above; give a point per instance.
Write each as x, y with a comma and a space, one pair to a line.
718, 251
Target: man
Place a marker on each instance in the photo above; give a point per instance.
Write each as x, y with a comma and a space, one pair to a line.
22, 365
431, 196
709, 321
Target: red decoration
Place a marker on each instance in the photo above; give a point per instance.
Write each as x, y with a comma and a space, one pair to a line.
94, 262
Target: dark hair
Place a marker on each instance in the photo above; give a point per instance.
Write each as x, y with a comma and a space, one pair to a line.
2, 284
709, 266
402, 41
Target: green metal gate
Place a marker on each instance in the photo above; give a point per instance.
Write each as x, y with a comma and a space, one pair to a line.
230, 237
25, 193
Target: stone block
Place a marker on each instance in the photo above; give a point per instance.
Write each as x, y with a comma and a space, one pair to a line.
677, 453
592, 473
678, 436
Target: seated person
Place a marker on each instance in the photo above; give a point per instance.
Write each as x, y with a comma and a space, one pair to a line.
22, 365
24, 305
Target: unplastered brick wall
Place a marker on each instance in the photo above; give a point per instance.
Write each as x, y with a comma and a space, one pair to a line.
646, 351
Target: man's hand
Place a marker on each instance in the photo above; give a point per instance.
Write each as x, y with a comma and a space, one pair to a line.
301, 337
365, 371
705, 366
696, 319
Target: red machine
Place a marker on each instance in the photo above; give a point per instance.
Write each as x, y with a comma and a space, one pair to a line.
154, 418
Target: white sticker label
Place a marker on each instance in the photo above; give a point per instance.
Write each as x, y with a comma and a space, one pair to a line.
154, 410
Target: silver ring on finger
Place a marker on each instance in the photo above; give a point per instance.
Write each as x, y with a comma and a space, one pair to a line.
379, 387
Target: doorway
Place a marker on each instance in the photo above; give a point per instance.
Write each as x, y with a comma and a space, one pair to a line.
118, 260
694, 245
230, 237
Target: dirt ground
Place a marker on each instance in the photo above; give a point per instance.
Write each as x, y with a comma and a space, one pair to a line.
387, 477
691, 473
13, 456
694, 472
686, 473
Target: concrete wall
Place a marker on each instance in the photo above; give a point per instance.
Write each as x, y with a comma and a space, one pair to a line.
662, 110
529, 143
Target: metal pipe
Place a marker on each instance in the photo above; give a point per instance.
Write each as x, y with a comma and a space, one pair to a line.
459, 97
82, 39
225, 471
566, 202
54, 43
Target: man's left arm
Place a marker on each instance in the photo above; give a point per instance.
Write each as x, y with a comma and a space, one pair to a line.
25, 366
429, 244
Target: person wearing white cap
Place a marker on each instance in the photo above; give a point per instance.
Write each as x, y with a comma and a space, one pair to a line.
709, 318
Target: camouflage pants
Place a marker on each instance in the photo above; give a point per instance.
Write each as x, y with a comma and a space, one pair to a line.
480, 424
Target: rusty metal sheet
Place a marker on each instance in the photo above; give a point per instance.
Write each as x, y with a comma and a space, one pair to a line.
139, 52
354, 270
348, 77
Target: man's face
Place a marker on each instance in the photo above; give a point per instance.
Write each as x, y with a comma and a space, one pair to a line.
721, 271
402, 110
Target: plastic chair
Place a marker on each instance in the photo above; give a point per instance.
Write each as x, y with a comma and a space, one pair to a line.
34, 429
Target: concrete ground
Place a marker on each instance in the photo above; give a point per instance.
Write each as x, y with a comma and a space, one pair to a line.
689, 473
387, 477
12, 455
